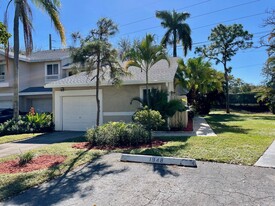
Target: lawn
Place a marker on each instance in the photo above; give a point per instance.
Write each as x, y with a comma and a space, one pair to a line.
11, 184
242, 139
17, 137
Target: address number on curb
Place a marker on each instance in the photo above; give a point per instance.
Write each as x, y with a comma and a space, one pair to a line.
159, 160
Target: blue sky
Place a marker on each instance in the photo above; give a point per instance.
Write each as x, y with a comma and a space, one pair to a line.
136, 18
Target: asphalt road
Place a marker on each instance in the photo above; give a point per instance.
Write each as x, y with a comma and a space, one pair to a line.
108, 181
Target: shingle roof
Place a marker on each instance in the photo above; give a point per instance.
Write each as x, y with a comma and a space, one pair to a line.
160, 72
46, 55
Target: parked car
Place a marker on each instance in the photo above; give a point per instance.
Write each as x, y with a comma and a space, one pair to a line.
5, 114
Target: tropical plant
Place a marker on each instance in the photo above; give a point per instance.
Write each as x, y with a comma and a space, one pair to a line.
96, 55
150, 119
225, 42
159, 102
118, 134
177, 30
28, 124
144, 56
23, 13
4, 34
198, 77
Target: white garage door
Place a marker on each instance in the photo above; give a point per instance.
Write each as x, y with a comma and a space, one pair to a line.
5, 104
42, 105
79, 113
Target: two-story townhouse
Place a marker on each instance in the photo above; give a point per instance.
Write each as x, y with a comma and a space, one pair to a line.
35, 71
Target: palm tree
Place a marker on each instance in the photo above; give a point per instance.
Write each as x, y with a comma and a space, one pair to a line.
177, 30
198, 77
23, 14
144, 56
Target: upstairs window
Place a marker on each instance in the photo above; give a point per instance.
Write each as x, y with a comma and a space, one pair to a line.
52, 72
2, 73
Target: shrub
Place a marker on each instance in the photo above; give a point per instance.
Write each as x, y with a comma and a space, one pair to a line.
28, 124
150, 119
25, 158
116, 134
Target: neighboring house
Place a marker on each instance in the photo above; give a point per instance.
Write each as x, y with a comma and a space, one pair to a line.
35, 71
74, 102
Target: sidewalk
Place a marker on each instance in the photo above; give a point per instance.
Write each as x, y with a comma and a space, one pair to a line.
200, 128
268, 158
38, 141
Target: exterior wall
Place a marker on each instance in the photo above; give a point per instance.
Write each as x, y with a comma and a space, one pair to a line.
115, 101
44, 103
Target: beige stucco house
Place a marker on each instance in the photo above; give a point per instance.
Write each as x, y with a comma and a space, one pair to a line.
74, 102
35, 71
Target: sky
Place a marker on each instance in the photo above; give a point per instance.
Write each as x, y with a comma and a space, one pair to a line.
135, 19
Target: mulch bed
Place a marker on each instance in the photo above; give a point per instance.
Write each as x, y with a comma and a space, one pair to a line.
40, 162
88, 146
189, 125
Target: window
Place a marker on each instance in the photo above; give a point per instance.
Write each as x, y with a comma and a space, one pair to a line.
52, 72
2, 73
143, 91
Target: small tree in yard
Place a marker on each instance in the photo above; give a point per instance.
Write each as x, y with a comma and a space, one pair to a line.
97, 57
144, 56
225, 42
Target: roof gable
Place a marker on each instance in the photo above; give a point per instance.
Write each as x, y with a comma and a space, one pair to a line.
161, 72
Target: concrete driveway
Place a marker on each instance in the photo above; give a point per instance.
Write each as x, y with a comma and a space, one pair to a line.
38, 141
108, 181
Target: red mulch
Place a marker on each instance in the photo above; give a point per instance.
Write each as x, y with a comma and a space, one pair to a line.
189, 125
40, 162
88, 146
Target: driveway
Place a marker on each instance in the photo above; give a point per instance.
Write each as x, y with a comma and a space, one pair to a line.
38, 141
108, 181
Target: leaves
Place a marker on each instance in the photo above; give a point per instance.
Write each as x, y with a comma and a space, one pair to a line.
177, 30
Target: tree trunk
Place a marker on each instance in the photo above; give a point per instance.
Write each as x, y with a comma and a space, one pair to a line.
226, 89
16, 62
175, 44
147, 90
97, 90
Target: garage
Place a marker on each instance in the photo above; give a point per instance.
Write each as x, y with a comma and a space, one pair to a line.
79, 113
76, 110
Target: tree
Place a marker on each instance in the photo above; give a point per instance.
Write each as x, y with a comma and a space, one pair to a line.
96, 54
267, 94
144, 56
4, 35
199, 78
177, 30
23, 14
225, 42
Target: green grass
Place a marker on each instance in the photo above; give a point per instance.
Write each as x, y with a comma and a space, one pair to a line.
11, 184
242, 139
17, 137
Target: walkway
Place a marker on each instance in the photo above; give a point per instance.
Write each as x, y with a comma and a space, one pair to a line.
38, 141
200, 128
268, 158
107, 181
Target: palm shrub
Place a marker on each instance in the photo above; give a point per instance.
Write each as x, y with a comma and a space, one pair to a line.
159, 102
118, 134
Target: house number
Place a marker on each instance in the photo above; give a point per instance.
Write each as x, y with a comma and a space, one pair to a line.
156, 159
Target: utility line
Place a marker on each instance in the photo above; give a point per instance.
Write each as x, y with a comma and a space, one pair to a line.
154, 27
212, 12
152, 17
